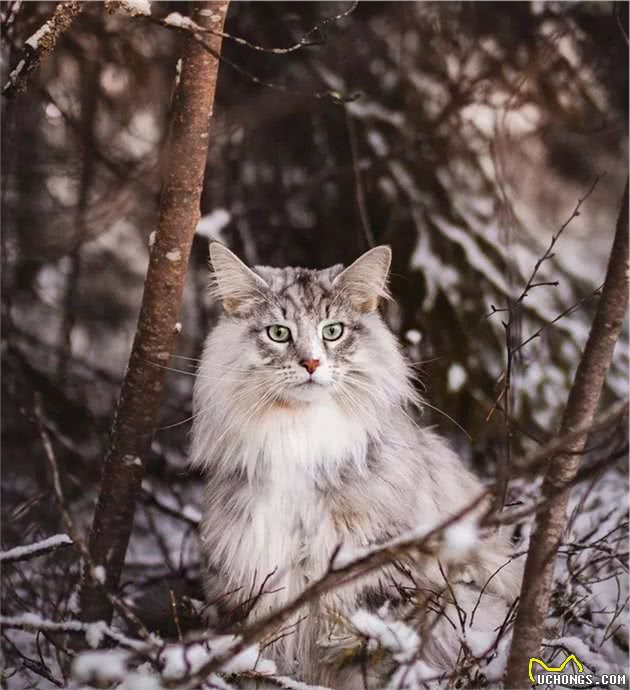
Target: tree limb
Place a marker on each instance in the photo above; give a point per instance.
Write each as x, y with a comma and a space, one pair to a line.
562, 468
41, 42
156, 332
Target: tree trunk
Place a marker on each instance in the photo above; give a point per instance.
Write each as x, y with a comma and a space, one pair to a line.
156, 332
581, 406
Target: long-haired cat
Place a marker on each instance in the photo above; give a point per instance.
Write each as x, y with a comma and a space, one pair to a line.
304, 426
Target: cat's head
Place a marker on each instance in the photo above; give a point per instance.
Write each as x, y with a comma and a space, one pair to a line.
306, 335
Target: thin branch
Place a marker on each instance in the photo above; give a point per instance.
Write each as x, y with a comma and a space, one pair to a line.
43, 41
40, 548
175, 20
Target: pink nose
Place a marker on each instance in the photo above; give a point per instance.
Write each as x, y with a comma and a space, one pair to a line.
310, 364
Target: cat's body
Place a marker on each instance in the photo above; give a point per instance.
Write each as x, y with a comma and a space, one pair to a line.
309, 443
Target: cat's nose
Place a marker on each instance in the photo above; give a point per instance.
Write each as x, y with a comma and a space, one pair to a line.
310, 364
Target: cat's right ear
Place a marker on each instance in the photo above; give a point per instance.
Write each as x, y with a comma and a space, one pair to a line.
233, 282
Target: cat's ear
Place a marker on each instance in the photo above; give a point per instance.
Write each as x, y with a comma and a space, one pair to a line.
365, 281
233, 282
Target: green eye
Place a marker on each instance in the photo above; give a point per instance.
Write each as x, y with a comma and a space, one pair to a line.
278, 333
332, 331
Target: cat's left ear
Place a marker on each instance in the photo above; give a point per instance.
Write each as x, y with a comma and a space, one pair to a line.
365, 281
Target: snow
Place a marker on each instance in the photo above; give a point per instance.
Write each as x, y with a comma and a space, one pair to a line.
211, 225
179, 21
99, 574
142, 679
108, 666
181, 660
175, 255
456, 377
152, 237
29, 619
413, 336
460, 540
20, 552
377, 142
137, 7
397, 637
33, 41
191, 513
95, 632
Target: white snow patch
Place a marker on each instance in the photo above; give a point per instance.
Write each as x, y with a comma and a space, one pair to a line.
178, 327
211, 225
377, 142
137, 7
33, 41
174, 255
99, 574
413, 336
460, 540
456, 377
191, 513
19, 552
107, 666
178, 20
395, 636
182, 660
152, 239
16, 72
95, 632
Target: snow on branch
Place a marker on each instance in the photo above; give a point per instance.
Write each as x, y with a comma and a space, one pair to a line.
135, 8
41, 42
39, 548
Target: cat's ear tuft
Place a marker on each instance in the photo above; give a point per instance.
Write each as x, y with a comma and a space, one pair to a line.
232, 281
365, 281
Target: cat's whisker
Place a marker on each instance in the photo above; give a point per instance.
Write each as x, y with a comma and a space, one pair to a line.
248, 390
250, 413
437, 409
196, 374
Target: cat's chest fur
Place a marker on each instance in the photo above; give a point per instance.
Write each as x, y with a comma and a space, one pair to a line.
280, 510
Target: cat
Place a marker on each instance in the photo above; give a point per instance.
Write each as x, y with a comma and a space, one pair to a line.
303, 424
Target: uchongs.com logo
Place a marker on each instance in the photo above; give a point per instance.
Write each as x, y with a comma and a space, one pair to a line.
571, 674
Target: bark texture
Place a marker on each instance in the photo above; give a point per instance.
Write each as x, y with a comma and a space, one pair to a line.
581, 406
156, 332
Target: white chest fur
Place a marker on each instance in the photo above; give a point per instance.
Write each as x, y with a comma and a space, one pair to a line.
284, 523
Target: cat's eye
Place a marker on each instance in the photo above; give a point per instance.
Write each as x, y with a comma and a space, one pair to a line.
332, 331
279, 333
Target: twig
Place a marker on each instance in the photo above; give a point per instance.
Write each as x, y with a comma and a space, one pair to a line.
40, 548
188, 24
554, 238
40, 43
358, 183
78, 542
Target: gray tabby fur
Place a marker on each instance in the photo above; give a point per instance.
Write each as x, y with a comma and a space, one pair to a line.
295, 468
